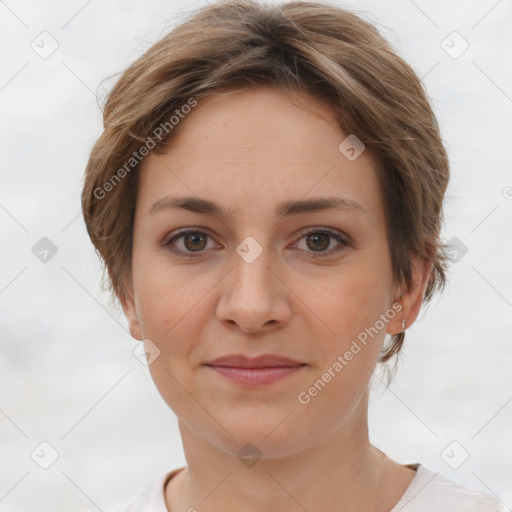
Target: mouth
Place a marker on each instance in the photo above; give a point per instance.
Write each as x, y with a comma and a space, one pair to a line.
258, 371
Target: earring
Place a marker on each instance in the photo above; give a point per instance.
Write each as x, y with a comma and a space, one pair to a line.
403, 326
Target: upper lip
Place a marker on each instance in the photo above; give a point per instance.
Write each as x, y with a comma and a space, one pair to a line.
262, 361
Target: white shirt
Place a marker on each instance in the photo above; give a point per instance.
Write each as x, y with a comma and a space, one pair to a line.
427, 492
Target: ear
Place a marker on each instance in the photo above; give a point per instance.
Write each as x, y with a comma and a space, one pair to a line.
412, 298
129, 306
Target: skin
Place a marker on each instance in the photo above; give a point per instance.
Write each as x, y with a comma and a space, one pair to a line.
249, 151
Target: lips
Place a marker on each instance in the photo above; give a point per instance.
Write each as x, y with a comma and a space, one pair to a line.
255, 372
262, 361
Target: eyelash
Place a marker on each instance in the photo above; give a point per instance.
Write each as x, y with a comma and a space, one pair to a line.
343, 242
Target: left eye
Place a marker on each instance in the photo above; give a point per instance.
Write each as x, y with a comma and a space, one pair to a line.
319, 241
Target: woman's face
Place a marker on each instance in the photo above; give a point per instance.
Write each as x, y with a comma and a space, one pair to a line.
274, 273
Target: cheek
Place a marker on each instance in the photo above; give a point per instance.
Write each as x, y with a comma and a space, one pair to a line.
166, 294
349, 301
173, 310
174, 305
351, 307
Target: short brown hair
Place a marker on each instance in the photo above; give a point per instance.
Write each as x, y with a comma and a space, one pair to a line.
323, 50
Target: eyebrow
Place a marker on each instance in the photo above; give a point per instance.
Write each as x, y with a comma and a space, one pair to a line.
291, 207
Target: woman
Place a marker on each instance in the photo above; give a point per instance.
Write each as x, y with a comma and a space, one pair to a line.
267, 199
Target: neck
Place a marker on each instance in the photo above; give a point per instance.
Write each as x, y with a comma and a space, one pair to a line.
342, 472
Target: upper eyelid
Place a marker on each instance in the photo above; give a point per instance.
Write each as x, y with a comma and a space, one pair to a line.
302, 232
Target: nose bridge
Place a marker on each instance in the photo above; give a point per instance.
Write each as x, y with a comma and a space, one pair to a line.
251, 277
251, 296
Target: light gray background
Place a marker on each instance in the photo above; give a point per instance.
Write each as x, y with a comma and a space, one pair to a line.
67, 372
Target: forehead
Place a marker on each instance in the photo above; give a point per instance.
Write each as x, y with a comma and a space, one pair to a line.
256, 118
258, 145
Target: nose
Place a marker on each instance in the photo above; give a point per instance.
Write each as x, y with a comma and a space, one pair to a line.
254, 297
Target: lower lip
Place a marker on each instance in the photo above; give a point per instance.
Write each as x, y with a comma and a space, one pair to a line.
256, 376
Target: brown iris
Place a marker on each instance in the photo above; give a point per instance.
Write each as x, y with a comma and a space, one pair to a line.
317, 239
195, 241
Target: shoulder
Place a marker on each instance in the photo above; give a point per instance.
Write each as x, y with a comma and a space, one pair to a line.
430, 491
150, 499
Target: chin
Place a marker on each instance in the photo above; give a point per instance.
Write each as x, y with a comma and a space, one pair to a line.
268, 437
